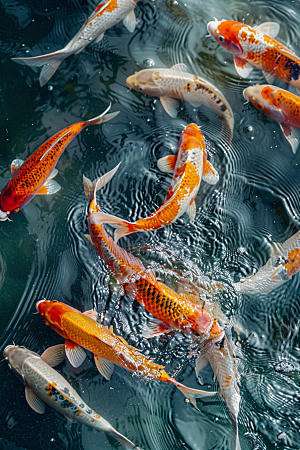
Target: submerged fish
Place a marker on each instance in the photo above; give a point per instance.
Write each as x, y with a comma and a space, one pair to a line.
279, 105
177, 83
172, 311
283, 264
257, 47
34, 176
43, 385
218, 352
189, 166
105, 16
79, 330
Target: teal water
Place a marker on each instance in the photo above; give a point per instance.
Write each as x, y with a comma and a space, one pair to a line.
43, 252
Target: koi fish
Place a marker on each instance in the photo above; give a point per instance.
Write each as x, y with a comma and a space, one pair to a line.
218, 352
189, 166
256, 47
105, 16
43, 385
35, 175
82, 331
283, 264
177, 83
172, 311
279, 105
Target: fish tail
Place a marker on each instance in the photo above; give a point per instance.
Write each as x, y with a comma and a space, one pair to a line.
50, 63
103, 117
126, 443
191, 394
237, 440
91, 188
124, 227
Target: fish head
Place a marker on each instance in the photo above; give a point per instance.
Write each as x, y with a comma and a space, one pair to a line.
192, 138
16, 357
226, 33
262, 98
10, 202
52, 312
144, 81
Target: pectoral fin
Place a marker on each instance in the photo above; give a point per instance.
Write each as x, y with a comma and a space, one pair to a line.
15, 165
34, 401
170, 105
200, 364
88, 237
192, 211
242, 67
92, 314
167, 163
50, 187
105, 367
130, 21
179, 67
75, 354
155, 328
269, 28
54, 355
99, 38
210, 175
269, 77
292, 134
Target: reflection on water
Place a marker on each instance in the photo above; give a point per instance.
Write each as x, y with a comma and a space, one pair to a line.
43, 251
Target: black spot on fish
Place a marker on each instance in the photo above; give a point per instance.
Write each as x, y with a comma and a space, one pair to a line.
294, 69
223, 108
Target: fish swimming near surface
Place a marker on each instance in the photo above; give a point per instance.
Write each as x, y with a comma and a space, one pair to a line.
256, 47
44, 385
177, 83
35, 175
283, 264
218, 352
189, 166
105, 16
82, 331
279, 105
171, 311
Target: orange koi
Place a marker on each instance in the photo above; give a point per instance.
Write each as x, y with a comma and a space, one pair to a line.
34, 176
81, 331
188, 167
257, 47
279, 105
173, 311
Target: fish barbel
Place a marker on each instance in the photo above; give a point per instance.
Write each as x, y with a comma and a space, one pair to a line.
218, 352
43, 385
105, 16
283, 264
279, 105
34, 176
177, 83
81, 331
173, 311
189, 166
256, 47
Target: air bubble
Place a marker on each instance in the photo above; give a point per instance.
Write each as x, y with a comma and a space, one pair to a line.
148, 62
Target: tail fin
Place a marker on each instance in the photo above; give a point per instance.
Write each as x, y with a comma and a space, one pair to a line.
102, 118
116, 222
90, 188
50, 63
126, 443
192, 394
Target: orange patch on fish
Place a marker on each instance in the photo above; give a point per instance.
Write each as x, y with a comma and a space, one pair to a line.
293, 264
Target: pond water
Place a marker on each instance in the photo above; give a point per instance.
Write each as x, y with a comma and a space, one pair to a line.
43, 251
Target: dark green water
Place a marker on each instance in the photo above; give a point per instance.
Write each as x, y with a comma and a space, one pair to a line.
43, 252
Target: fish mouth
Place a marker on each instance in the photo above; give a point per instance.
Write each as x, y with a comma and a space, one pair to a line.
245, 94
212, 27
38, 303
7, 350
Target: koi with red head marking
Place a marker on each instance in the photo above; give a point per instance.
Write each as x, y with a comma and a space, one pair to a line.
189, 166
256, 47
82, 331
279, 105
35, 175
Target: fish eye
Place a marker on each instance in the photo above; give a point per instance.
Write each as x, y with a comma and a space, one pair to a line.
260, 106
221, 39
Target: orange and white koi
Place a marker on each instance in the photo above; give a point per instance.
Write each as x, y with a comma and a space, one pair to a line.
81, 331
279, 105
283, 264
44, 385
218, 352
256, 47
105, 16
34, 176
189, 166
172, 311
177, 83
